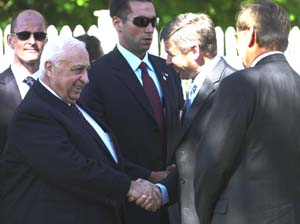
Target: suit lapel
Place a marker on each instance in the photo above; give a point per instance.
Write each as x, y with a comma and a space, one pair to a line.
162, 78
208, 87
106, 129
204, 92
124, 72
10, 89
85, 124
73, 115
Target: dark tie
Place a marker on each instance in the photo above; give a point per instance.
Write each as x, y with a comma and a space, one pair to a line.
153, 96
29, 81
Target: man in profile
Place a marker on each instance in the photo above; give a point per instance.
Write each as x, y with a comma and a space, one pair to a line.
248, 163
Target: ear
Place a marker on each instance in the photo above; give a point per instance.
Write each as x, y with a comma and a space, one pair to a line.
195, 52
251, 37
48, 68
117, 23
10, 41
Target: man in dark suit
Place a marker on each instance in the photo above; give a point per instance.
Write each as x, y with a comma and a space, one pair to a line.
27, 39
117, 92
61, 165
248, 159
191, 46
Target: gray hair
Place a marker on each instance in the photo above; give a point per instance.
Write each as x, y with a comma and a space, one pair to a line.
55, 48
190, 29
270, 21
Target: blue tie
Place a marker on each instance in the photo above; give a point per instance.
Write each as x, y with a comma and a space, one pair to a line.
190, 97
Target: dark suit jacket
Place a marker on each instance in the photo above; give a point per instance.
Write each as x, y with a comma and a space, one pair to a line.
10, 98
193, 127
115, 94
248, 164
56, 169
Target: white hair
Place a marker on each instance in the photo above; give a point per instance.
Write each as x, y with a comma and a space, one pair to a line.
55, 48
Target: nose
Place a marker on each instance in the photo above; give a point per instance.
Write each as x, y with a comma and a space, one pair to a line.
149, 28
31, 39
85, 78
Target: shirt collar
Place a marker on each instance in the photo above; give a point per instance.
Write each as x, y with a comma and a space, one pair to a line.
260, 57
21, 74
51, 91
205, 72
134, 61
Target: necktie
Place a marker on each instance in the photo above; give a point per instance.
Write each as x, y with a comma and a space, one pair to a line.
153, 96
29, 81
190, 96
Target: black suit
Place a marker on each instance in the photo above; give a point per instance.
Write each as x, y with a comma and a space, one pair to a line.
116, 95
10, 98
248, 164
193, 127
56, 169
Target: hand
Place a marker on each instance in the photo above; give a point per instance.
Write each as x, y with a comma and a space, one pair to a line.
171, 168
145, 194
157, 176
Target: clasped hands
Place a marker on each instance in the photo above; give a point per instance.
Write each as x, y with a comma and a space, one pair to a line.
146, 194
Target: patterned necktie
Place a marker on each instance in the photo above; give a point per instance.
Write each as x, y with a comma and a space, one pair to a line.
29, 81
190, 96
153, 96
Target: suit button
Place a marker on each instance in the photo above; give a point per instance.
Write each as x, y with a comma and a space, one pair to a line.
182, 180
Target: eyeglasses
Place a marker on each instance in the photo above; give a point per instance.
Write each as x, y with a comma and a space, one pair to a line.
142, 21
25, 35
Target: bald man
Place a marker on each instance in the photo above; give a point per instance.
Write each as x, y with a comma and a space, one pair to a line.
27, 39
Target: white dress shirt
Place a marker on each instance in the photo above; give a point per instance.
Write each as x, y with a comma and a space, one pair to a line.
20, 76
199, 79
134, 62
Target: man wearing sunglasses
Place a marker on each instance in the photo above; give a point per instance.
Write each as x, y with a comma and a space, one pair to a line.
118, 93
27, 39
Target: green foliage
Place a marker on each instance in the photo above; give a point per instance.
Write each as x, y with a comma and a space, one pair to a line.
73, 12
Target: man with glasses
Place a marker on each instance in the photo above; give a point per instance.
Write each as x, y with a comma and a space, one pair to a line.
140, 101
27, 39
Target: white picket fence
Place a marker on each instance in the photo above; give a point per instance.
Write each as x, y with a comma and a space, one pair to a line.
108, 37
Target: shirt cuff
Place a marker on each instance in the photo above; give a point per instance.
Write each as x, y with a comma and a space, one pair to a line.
164, 193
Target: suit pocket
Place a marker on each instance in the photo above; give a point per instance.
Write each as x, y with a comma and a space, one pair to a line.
221, 207
283, 214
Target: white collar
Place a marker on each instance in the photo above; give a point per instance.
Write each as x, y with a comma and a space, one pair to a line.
134, 61
260, 57
21, 73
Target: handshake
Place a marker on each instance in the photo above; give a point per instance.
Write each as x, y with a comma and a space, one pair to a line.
146, 194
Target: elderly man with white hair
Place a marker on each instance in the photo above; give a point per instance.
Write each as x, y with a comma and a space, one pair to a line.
61, 165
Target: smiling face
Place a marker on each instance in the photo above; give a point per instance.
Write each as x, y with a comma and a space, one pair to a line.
182, 62
68, 76
134, 38
27, 51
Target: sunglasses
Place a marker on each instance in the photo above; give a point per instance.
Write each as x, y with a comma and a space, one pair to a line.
142, 21
25, 35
